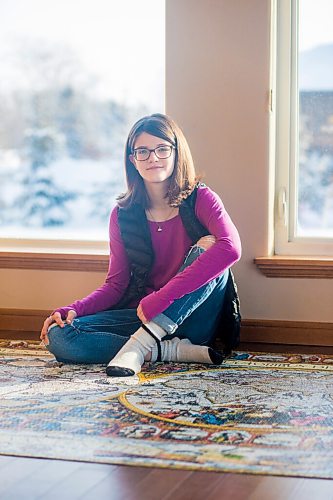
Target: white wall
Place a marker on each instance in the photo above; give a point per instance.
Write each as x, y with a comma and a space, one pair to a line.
217, 89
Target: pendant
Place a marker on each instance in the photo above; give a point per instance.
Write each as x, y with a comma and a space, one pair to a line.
159, 229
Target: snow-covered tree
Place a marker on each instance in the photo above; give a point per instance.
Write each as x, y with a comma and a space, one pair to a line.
42, 203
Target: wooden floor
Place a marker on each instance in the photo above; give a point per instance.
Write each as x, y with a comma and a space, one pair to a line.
30, 478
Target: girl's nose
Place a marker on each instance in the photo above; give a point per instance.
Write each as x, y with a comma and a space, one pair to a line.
152, 156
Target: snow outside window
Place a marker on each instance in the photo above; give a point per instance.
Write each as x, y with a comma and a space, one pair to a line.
75, 76
304, 127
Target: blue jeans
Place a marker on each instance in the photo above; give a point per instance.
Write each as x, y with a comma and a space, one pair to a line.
98, 337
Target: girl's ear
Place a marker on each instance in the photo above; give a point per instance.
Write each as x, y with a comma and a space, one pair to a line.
132, 159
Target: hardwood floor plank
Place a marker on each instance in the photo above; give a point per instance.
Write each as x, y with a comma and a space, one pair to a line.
289, 488
159, 483
16, 471
4, 460
76, 484
235, 486
46, 477
312, 489
118, 484
197, 486
275, 488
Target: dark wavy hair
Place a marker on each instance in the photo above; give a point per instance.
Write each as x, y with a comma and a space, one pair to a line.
183, 178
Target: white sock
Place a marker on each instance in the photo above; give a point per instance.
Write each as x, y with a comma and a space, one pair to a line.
178, 350
130, 358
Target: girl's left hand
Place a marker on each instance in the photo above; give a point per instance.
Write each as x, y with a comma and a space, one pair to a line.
206, 241
140, 314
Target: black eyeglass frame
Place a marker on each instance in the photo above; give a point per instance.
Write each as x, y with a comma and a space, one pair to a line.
154, 150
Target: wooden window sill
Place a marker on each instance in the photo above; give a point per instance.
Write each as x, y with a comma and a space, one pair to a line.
54, 261
272, 267
295, 267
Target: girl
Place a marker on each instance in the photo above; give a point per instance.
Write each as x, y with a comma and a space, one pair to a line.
171, 246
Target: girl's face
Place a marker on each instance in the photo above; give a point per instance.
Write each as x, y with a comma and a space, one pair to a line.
158, 167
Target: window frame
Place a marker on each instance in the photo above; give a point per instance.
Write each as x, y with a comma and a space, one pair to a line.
284, 79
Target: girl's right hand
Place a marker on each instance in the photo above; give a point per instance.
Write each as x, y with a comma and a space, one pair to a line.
55, 319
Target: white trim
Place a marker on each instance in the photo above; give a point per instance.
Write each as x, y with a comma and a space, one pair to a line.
272, 128
286, 151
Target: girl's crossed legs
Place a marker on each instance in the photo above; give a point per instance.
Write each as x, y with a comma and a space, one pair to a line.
99, 337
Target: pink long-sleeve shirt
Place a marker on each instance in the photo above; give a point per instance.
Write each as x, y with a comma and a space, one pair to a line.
170, 247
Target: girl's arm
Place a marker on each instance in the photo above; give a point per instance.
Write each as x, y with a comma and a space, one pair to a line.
213, 262
116, 280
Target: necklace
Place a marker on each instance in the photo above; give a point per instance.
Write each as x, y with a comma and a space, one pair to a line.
159, 228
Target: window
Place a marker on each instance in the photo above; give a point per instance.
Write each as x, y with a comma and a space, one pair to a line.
75, 75
304, 128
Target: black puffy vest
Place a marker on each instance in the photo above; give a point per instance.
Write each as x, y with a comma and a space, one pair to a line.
135, 233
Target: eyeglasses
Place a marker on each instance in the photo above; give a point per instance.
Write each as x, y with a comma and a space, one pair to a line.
162, 152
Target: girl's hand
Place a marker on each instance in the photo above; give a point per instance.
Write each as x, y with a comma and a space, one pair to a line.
206, 241
55, 319
140, 314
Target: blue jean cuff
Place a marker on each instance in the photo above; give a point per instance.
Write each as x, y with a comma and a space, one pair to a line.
166, 323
